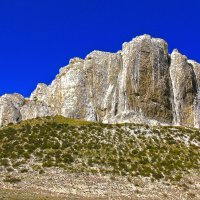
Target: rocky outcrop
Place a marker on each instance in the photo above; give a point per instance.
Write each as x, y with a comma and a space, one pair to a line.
142, 83
34, 109
10, 108
184, 88
145, 80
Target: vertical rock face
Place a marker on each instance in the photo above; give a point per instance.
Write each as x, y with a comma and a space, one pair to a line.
145, 79
102, 72
184, 88
196, 69
142, 83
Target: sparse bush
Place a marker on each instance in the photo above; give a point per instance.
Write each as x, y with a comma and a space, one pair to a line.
5, 162
25, 170
12, 179
79, 146
41, 171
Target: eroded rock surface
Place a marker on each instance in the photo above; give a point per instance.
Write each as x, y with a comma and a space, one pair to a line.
142, 83
184, 86
10, 108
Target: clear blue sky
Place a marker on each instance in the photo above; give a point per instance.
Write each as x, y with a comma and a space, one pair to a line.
37, 37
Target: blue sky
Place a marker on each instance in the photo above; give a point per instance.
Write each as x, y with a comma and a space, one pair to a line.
37, 37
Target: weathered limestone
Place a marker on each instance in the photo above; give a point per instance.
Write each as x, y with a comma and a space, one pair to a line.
145, 79
102, 71
184, 88
196, 69
142, 83
33, 109
10, 108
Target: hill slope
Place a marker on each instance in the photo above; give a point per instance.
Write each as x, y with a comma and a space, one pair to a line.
60, 156
82, 147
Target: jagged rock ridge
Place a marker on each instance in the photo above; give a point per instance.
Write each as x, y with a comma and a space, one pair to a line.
142, 83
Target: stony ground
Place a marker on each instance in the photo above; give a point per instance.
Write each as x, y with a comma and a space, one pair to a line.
56, 184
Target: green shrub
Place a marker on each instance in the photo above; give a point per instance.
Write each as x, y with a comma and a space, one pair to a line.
11, 179
122, 149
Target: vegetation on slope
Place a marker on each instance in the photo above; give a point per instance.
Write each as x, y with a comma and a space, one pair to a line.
83, 147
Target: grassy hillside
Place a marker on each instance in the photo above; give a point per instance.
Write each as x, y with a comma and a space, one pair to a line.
82, 147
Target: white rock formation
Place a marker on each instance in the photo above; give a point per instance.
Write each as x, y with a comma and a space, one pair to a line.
10, 108
142, 83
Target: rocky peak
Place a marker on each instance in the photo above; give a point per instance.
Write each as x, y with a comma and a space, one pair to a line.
141, 83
